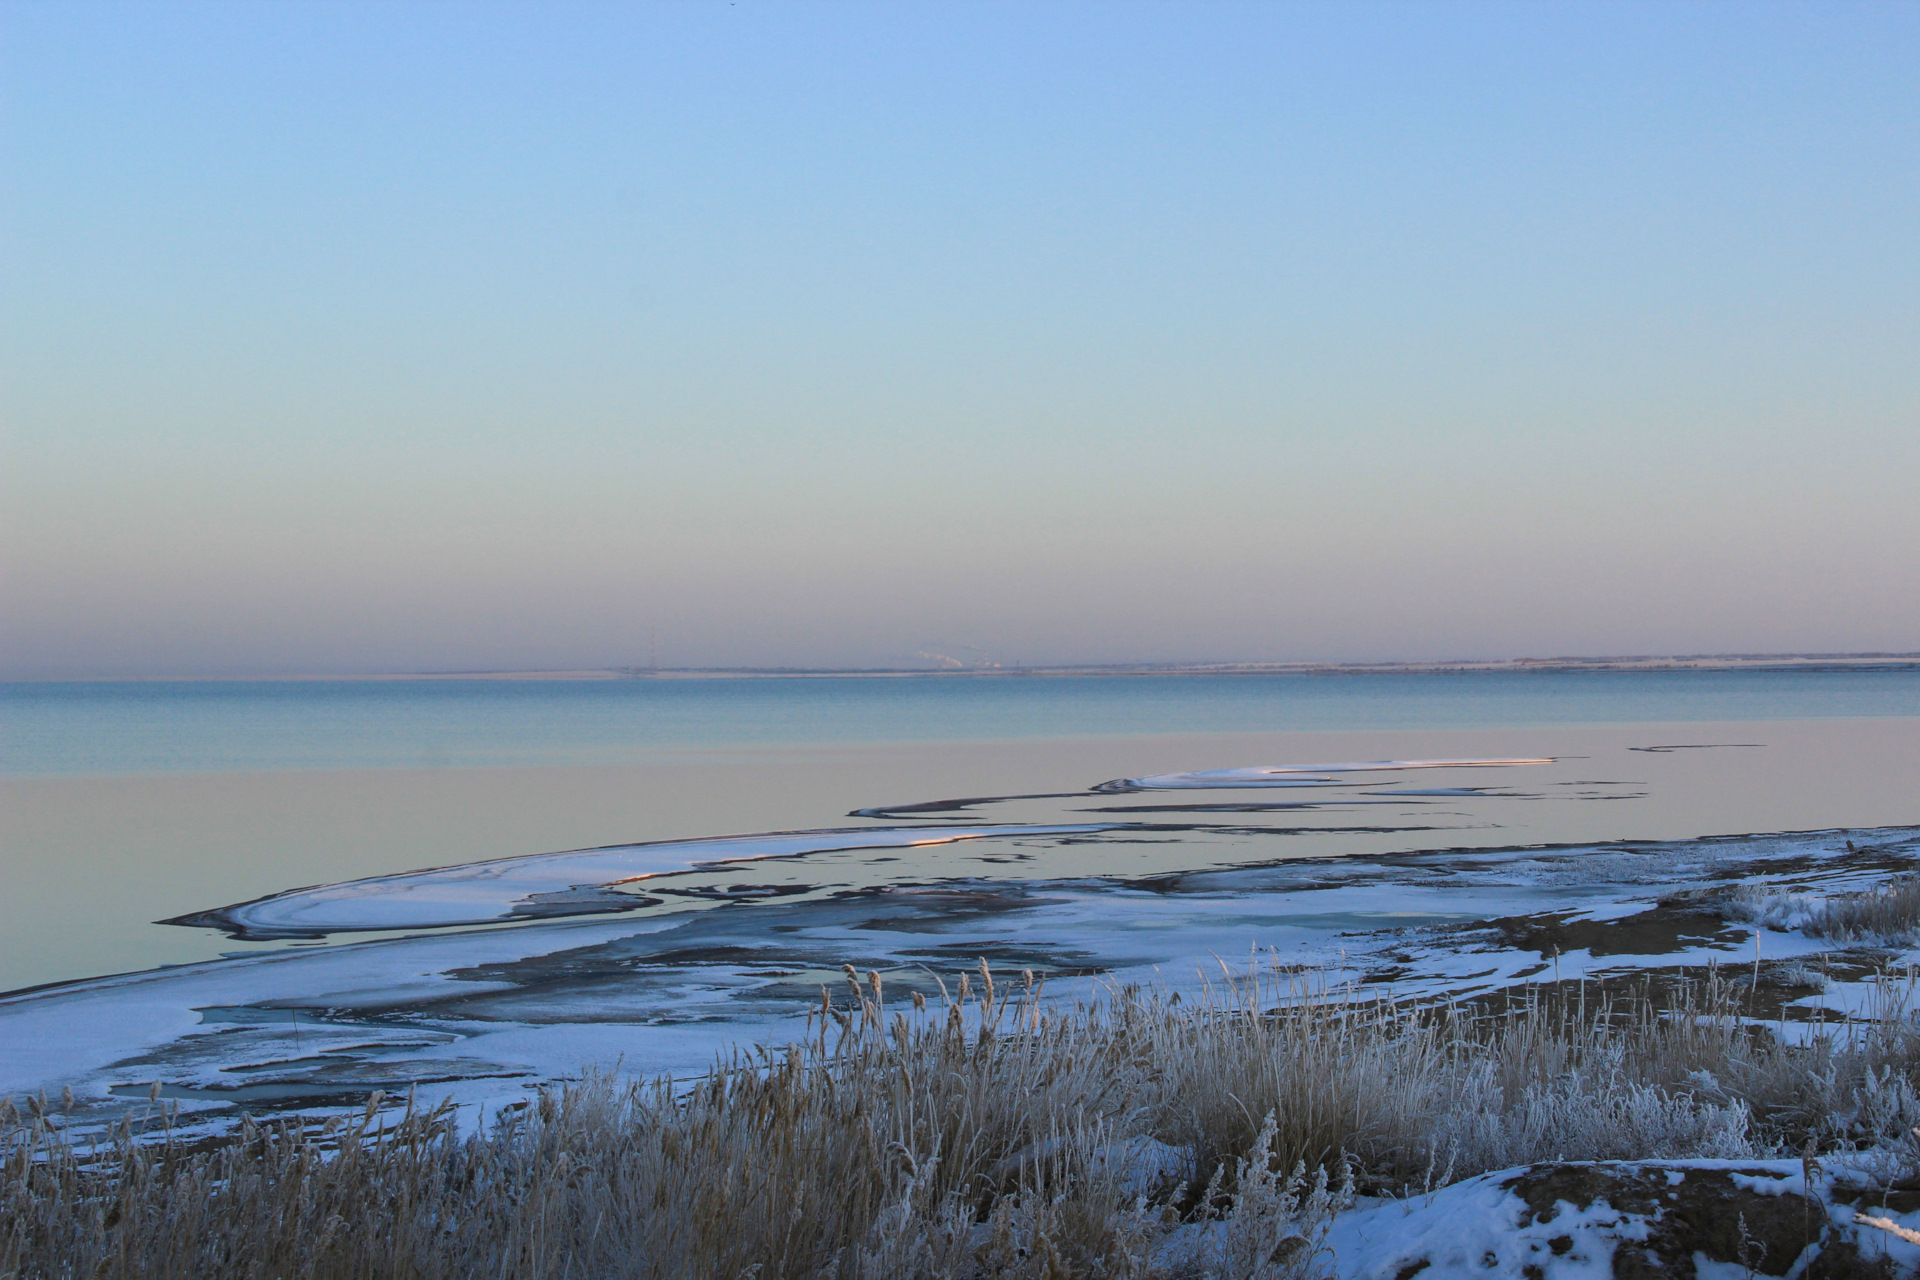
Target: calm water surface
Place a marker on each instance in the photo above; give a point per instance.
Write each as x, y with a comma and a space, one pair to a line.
179, 727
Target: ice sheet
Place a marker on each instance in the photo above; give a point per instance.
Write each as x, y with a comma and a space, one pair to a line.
575, 882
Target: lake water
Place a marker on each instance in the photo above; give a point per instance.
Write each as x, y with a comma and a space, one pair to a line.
254, 726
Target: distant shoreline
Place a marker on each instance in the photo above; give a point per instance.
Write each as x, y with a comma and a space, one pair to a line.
1680, 662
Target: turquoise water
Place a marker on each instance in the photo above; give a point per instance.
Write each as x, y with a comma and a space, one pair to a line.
190, 727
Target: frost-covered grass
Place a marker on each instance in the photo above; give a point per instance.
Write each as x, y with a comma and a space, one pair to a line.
1135, 1135
1888, 913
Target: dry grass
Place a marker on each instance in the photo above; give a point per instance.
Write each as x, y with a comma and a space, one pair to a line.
1888, 913
1132, 1137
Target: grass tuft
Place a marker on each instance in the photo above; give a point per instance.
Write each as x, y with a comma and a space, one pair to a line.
1888, 914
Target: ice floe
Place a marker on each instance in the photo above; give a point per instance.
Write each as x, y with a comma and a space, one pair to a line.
532, 886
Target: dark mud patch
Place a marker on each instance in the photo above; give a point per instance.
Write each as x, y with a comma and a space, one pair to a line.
1658, 931
1766, 1002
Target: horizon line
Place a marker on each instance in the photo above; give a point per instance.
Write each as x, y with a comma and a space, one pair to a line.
1693, 661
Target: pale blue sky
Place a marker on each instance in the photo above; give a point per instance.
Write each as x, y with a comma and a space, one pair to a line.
419, 336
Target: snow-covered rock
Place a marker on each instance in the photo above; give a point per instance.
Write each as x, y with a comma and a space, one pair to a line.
1630, 1219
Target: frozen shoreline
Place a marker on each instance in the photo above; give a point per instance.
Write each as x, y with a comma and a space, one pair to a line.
484, 1016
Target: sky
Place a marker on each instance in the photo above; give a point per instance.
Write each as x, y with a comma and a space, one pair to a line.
426, 337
